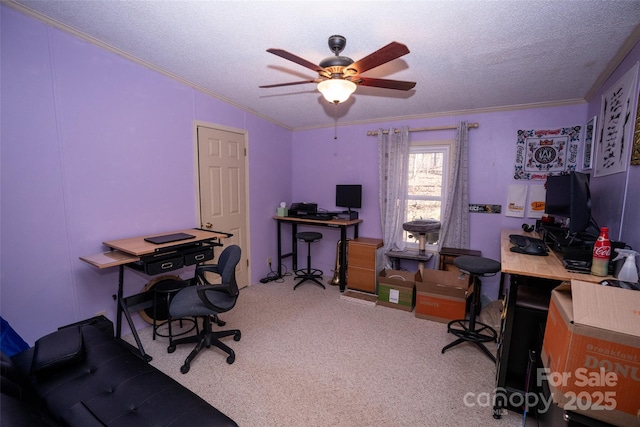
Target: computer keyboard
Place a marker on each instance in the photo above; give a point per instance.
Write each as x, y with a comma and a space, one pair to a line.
319, 217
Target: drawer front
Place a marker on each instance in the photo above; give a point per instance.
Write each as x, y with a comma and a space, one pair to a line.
362, 256
200, 255
152, 268
361, 279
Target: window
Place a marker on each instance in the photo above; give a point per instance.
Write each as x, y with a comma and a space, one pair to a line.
428, 181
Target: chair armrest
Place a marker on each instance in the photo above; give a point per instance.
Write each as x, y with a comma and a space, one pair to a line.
212, 268
202, 269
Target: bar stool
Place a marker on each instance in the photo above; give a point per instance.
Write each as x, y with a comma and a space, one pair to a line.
163, 291
470, 330
311, 274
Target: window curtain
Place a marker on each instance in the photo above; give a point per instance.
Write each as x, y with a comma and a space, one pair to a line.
393, 161
454, 229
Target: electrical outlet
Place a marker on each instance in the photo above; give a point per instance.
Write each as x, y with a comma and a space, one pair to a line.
102, 313
269, 261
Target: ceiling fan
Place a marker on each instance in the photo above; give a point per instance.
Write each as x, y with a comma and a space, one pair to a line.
338, 76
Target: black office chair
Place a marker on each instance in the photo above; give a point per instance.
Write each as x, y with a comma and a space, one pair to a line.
207, 301
311, 274
470, 330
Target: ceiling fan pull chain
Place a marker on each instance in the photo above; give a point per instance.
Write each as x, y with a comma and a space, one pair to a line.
335, 123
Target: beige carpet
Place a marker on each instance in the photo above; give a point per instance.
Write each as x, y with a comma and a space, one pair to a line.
311, 357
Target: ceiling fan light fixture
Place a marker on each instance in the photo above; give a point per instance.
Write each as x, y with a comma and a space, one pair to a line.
336, 90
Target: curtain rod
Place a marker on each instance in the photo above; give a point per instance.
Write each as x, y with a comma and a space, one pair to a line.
469, 126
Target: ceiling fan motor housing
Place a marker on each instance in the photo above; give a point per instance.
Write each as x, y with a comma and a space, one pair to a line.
337, 44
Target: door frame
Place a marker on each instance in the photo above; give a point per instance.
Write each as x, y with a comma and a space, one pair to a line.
196, 170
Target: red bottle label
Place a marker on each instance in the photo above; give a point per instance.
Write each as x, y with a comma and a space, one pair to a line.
602, 251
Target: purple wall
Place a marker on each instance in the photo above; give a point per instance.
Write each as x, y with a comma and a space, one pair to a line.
353, 159
95, 147
617, 194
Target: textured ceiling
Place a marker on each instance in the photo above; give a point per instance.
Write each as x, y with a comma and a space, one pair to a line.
465, 55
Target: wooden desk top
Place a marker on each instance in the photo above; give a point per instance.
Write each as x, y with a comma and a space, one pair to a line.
547, 267
125, 251
138, 246
336, 222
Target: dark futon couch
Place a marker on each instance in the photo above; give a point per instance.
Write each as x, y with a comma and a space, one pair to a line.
81, 376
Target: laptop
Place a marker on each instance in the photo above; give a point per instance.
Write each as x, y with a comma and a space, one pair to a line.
168, 238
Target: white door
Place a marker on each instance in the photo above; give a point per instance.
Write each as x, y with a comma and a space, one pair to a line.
223, 189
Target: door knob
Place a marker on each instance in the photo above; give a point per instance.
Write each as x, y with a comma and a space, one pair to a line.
208, 225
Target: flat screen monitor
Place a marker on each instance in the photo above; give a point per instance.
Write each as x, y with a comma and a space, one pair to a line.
568, 196
349, 196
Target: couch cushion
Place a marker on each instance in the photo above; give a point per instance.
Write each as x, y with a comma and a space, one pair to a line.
17, 412
56, 350
115, 387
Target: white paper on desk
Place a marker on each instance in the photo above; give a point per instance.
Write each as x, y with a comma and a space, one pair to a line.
535, 208
516, 199
394, 296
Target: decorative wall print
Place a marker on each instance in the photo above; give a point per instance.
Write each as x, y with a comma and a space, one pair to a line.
587, 148
478, 208
616, 133
516, 199
537, 196
546, 152
635, 150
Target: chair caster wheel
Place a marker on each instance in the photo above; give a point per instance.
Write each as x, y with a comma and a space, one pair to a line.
185, 368
231, 359
171, 349
237, 336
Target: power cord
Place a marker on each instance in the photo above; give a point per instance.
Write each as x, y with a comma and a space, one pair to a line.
273, 275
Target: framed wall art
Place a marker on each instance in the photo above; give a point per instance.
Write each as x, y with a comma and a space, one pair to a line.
635, 149
546, 152
587, 147
615, 136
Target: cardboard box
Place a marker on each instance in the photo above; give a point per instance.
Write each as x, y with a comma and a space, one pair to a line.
397, 289
442, 296
591, 351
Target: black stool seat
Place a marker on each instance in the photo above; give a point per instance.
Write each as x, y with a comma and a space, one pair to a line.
309, 236
165, 290
470, 330
309, 274
477, 265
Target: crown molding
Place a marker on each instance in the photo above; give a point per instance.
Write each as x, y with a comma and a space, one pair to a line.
615, 62
497, 109
66, 28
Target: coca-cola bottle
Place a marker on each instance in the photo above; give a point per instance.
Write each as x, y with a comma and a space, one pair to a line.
601, 254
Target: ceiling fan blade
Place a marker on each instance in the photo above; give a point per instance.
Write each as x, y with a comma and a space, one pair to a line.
385, 83
294, 58
381, 56
290, 83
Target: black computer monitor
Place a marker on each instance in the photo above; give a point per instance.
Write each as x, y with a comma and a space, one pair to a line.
349, 196
568, 196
